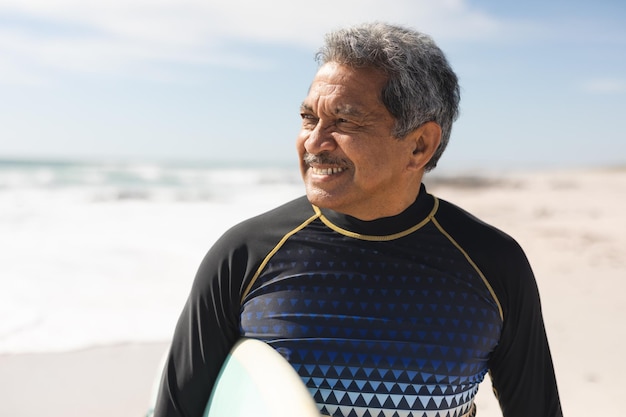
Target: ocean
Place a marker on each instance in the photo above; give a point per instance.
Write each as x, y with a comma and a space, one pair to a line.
101, 253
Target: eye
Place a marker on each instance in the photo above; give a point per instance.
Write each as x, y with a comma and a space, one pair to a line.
345, 123
308, 120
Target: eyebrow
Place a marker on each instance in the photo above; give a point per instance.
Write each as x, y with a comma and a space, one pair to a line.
306, 107
345, 110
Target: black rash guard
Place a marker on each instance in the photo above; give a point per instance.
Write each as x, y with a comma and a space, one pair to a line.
400, 316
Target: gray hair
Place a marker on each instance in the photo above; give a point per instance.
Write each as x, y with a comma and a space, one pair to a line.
421, 87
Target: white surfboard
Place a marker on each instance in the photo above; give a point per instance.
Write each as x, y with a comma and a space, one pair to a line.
256, 381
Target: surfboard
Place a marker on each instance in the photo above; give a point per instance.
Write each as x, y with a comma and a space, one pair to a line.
256, 381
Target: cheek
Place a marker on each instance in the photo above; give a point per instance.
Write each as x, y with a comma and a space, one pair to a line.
368, 158
301, 138
300, 144
379, 164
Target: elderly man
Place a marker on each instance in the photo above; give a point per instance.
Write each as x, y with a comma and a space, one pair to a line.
386, 300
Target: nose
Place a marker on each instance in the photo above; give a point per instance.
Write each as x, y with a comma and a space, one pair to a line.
319, 139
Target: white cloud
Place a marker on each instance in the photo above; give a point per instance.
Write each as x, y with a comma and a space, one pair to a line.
127, 37
605, 86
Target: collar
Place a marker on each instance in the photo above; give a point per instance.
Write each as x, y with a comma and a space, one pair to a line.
385, 228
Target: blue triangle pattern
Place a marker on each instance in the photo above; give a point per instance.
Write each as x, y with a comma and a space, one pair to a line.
404, 338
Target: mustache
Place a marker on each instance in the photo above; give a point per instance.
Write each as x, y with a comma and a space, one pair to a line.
324, 159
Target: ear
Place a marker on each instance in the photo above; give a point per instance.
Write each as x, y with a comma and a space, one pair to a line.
424, 141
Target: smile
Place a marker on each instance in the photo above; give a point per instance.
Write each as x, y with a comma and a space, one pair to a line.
326, 171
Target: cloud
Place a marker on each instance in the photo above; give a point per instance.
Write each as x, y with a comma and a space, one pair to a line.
605, 86
41, 38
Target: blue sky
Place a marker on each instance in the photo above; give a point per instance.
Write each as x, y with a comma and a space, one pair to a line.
543, 82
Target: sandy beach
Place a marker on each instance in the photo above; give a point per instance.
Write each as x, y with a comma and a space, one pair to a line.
98, 382
572, 225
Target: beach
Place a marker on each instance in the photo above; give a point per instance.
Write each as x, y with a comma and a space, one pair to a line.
92, 287
99, 381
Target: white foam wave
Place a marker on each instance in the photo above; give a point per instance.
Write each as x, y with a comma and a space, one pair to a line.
83, 265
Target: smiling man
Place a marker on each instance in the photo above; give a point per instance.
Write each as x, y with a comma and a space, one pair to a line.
385, 299
351, 161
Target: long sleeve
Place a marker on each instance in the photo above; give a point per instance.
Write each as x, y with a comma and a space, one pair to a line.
206, 330
209, 324
521, 365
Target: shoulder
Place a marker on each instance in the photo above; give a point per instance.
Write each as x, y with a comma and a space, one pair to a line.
237, 253
260, 233
473, 232
499, 256
273, 222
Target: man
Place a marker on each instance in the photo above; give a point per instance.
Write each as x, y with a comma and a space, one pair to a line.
385, 299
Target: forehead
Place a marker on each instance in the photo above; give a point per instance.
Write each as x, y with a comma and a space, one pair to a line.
350, 90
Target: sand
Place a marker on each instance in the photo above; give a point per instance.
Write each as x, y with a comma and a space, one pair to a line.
572, 225
97, 382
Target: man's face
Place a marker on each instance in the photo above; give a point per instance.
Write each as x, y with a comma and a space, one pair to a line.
349, 159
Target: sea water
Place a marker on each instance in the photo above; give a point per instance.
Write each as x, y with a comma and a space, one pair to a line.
98, 253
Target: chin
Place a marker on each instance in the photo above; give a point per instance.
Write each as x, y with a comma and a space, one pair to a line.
320, 197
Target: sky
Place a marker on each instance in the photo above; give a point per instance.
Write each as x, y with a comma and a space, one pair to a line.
543, 83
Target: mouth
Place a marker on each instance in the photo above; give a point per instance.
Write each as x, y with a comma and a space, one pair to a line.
326, 171
324, 165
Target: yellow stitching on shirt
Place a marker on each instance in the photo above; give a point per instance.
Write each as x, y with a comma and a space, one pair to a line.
273, 252
482, 276
372, 238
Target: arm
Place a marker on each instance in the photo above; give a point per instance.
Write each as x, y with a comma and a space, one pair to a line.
521, 367
207, 329
209, 324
